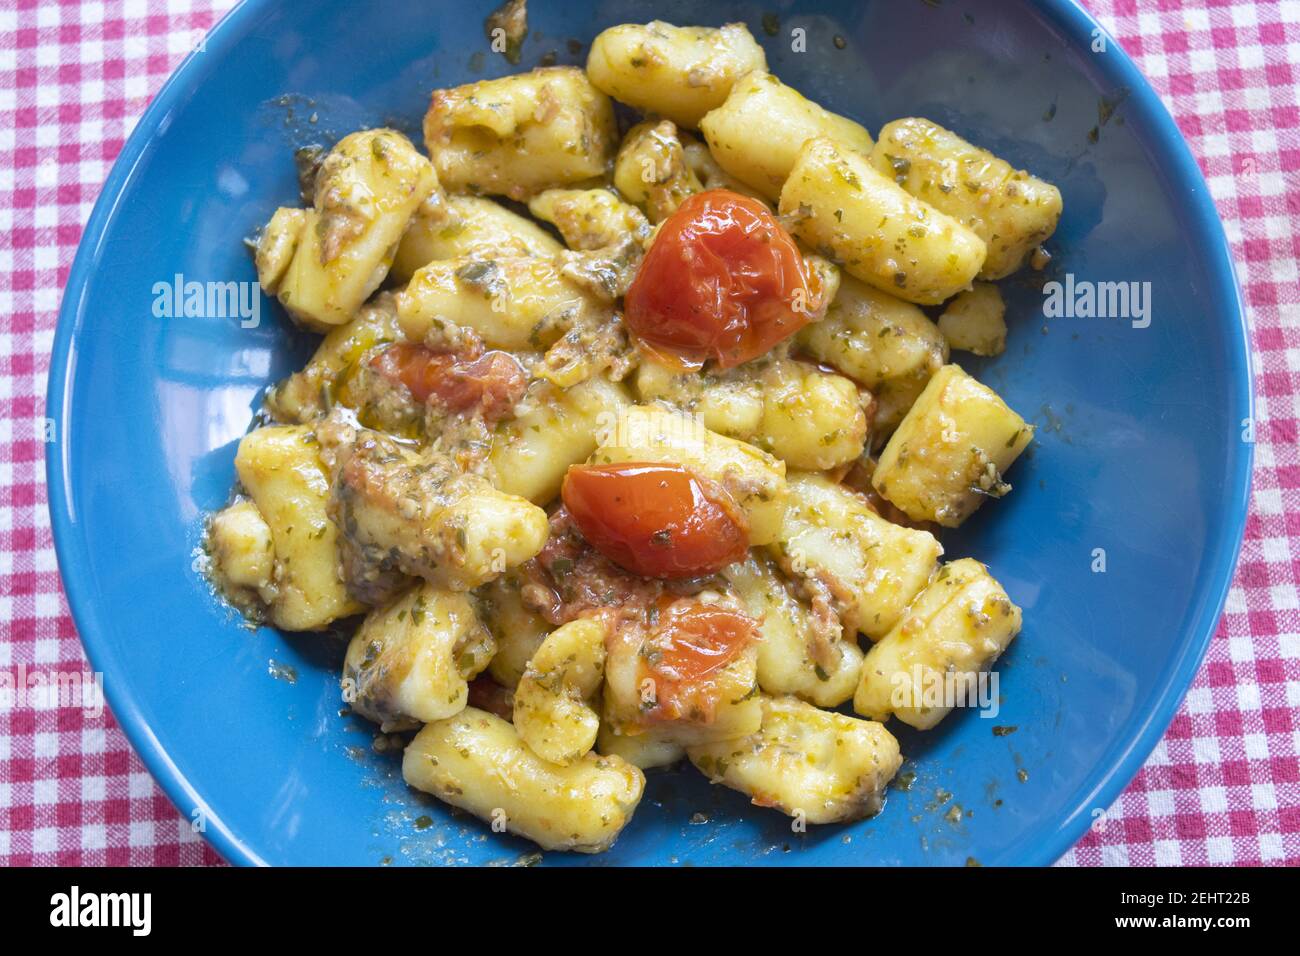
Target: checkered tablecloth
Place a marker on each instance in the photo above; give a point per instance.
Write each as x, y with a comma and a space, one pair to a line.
1223, 787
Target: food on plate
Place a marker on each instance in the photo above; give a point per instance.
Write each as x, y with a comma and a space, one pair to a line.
843, 208
1011, 210
957, 627
951, 450
630, 442
757, 133
974, 321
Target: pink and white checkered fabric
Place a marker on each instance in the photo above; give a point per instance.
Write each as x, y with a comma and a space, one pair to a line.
1223, 787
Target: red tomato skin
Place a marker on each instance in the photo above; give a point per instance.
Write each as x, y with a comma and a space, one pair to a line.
494, 380
722, 281
691, 643
656, 520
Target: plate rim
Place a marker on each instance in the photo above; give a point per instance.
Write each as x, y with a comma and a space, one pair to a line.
1073, 22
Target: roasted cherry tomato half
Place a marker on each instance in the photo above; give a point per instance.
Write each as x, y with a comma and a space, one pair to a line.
493, 381
659, 521
684, 653
721, 281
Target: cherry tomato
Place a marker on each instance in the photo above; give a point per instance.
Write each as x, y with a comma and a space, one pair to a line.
492, 380
690, 645
656, 520
722, 281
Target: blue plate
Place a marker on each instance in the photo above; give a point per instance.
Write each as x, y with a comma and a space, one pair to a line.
1142, 454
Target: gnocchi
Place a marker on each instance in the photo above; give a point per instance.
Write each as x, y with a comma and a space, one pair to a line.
324, 262
757, 134
280, 469
645, 750
590, 218
808, 418
243, 553
1012, 211
511, 303
867, 568
411, 661
957, 627
808, 763
951, 450
517, 630
421, 515
677, 72
478, 762
554, 428
554, 709
800, 653
974, 321
466, 227
848, 211
519, 135
616, 445
681, 686
308, 394
886, 344
651, 170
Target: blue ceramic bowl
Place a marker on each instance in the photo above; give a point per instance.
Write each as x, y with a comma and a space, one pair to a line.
1140, 450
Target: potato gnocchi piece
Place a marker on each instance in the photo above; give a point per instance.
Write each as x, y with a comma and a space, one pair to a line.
455, 227
554, 428
677, 72
951, 450
869, 568
645, 750
955, 630
808, 418
367, 189
847, 211
590, 218
756, 135
518, 135
800, 653
656, 433
419, 514
276, 246
411, 661
517, 630
812, 420
651, 169
555, 712
478, 762
243, 554
807, 763
308, 394
885, 344
280, 468
1012, 211
974, 321
512, 303
729, 403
